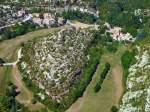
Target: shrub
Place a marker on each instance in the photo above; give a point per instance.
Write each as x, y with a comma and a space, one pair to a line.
34, 101
102, 77
127, 59
97, 88
105, 71
1, 61
18, 29
77, 15
114, 109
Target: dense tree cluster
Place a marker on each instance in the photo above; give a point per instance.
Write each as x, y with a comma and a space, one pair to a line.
127, 59
114, 109
1, 61
8, 102
78, 15
19, 29
121, 13
112, 47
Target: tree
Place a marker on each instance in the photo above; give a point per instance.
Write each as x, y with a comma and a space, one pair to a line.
34, 101
1, 61
114, 109
127, 58
97, 88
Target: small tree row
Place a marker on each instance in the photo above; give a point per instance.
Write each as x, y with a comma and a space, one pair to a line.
102, 77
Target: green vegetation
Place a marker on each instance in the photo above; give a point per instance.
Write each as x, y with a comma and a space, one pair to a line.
4, 79
18, 29
121, 13
1, 61
8, 102
97, 87
80, 16
127, 60
105, 71
114, 109
102, 77
112, 47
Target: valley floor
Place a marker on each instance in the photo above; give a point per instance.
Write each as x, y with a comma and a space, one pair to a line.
112, 88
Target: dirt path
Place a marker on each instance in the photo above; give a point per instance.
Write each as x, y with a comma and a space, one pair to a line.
79, 25
117, 78
25, 96
18, 59
77, 105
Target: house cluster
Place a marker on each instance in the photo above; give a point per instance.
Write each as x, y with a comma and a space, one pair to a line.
43, 2
10, 15
57, 2
83, 9
43, 19
137, 95
56, 61
47, 19
117, 34
143, 12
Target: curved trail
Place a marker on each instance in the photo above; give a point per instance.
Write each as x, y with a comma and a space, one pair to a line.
14, 63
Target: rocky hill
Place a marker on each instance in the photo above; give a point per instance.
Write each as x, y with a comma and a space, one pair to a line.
54, 62
137, 96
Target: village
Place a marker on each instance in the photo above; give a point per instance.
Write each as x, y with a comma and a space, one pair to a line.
16, 14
